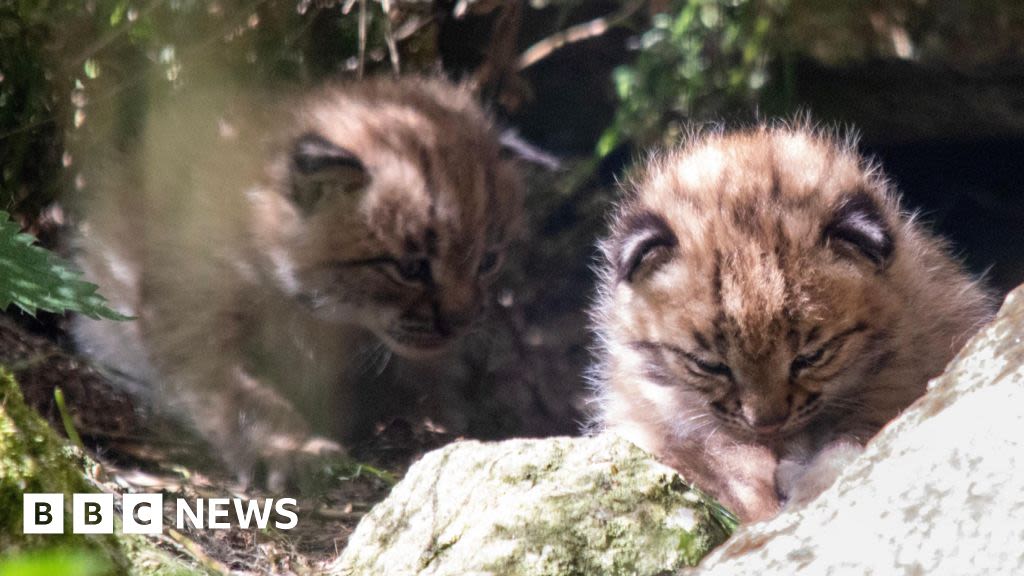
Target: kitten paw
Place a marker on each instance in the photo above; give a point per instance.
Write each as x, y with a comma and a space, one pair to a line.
786, 476
297, 467
799, 483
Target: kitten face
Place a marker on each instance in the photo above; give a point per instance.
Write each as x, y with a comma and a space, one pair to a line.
762, 301
400, 231
751, 298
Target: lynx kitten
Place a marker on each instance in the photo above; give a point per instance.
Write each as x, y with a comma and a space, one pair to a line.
266, 256
765, 307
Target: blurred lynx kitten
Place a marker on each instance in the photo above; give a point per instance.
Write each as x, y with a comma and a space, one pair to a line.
265, 258
765, 307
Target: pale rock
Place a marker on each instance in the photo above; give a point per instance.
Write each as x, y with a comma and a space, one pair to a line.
558, 506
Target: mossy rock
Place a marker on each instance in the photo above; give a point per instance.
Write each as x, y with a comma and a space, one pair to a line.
557, 507
34, 459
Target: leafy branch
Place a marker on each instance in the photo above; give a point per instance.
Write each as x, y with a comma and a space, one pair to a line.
32, 278
697, 60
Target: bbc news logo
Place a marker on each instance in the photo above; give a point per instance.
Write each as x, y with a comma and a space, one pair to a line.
143, 513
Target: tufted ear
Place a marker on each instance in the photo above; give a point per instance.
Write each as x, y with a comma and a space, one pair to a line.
319, 166
858, 226
643, 241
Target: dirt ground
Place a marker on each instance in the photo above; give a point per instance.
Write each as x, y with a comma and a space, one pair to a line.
138, 450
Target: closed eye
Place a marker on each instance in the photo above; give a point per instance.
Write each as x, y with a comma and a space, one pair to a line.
490, 263
710, 367
805, 361
413, 270
406, 271
696, 363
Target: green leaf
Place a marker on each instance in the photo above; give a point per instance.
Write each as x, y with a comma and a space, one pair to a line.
32, 278
118, 13
91, 68
609, 140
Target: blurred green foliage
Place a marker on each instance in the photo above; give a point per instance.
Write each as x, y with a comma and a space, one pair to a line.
29, 141
698, 59
62, 61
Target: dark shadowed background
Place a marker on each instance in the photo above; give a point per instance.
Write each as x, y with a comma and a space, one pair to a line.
934, 87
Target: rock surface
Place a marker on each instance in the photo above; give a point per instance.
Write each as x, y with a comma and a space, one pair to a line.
560, 506
939, 491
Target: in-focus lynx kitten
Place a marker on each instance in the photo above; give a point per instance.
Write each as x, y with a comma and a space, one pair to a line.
765, 307
269, 257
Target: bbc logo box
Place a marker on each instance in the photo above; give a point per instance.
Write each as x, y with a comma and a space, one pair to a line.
43, 514
92, 513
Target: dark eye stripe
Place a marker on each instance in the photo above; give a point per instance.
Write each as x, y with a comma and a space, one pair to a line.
823, 378
489, 262
702, 341
700, 378
390, 268
387, 272
831, 347
859, 327
357, 262
656, 371
415, 270
691, 362
812, 335
816, 332
818, 359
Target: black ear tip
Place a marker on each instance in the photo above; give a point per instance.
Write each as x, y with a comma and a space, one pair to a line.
318, 167
313, 152
858, 222
638, 236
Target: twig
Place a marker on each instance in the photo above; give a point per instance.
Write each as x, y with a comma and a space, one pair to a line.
336, 514
389, 37
31, 361
358, 470
577, 33
498, 68
65, 418
194, 549
362, 38
412, 26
